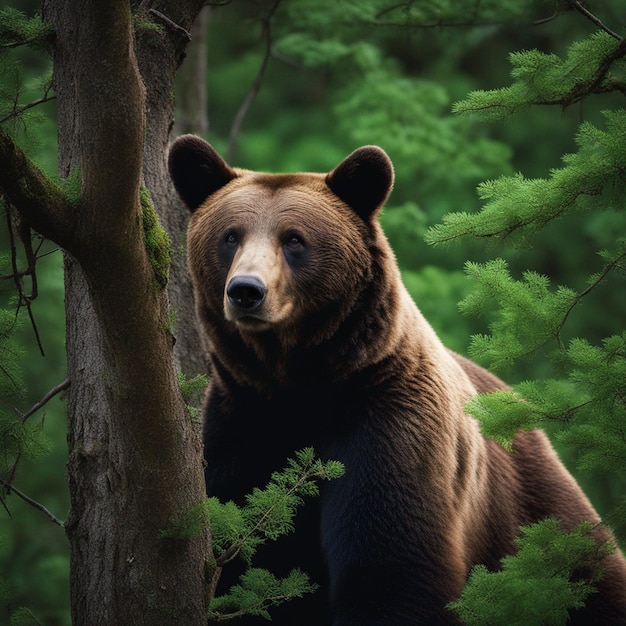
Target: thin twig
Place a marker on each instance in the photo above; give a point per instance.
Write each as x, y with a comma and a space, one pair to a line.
17, 44
578, 6
256, 85
545, 20
37, 505
173, 25
53, 392
600, 278
33, 409
16, 112
37, 257
24, 300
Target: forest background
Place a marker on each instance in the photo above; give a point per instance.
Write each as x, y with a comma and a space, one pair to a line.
296, 85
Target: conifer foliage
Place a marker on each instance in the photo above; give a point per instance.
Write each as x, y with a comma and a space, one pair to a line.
583, 400
239, 531
542, 571
267, 515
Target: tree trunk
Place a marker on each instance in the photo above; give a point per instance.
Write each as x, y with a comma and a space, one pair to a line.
159, 55
135, 462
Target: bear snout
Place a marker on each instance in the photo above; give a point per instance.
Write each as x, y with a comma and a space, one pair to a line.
245, 293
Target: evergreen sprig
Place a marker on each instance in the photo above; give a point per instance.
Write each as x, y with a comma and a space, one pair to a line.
545, 570
268, 512
516, 208
541, 78
239, 531
192, 390
258, 591
17, 29
529, 315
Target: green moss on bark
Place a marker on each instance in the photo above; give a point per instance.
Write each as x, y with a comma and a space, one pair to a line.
156, 240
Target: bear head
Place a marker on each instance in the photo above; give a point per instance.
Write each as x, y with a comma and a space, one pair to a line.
280, 262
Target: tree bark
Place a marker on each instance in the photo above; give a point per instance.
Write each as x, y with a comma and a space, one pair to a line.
135, 461
159, 55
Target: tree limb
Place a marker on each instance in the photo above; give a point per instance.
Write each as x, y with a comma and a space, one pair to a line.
40, 202
37, 505
578, 6
51, 394
256, 85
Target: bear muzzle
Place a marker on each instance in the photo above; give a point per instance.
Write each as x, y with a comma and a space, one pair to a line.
248, 303
245, 294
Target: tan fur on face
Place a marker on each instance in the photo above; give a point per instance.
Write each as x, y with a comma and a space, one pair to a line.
263, 210
260, 256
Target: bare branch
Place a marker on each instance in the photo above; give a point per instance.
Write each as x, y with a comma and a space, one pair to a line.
578, 6
24, 300
256, 85
51, 394
17, 44
175, 27
11, 489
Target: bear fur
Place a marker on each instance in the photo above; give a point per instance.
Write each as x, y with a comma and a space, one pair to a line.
315, 342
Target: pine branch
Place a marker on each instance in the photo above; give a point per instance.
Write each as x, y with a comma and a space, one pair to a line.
230, 553
33, 409
251, 609
18, 111
258, 591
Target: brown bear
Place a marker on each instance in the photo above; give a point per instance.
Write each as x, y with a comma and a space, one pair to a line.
315, 342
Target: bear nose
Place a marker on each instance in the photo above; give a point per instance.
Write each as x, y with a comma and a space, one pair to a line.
245, 292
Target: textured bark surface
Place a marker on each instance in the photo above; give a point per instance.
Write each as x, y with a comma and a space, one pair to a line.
158, 54
135, 462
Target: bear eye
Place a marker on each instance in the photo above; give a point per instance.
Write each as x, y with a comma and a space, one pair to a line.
231, 239
295, 250
294, 241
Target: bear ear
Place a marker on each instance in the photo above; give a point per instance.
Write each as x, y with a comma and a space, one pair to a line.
363, 180
197, 170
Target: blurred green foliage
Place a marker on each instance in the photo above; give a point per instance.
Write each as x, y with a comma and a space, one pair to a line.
339, 75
